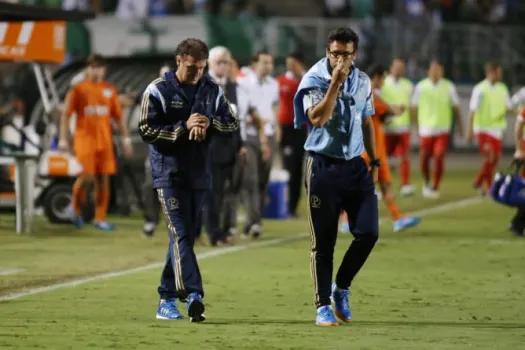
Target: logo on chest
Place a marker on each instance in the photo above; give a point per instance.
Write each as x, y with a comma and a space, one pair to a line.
177, 102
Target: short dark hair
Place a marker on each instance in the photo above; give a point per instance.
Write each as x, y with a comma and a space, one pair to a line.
258, 55
193, 47
492, 66
343, 35
376, 70
95, 59
435, 61
296, 55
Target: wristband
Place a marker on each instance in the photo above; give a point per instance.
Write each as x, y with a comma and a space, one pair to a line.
126, 140
375, 163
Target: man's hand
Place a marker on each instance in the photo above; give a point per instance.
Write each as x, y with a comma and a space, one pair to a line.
398, 110
519, 154
197, 133
341, 71
460, 131
470, 136
374, 171
266, 152
63, 145
199, 120
243, 154
127, 148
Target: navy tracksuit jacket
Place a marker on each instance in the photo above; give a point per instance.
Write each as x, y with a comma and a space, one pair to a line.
181, 168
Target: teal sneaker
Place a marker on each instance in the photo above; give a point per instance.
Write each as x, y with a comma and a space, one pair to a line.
340, 300
104, 226
168, 310
325, 317
404, 223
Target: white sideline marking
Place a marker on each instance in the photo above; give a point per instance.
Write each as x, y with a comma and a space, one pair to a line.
218, 252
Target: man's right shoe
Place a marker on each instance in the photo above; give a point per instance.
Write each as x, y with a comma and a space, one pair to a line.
325, 317
76, 219
255, 231
429, 192
168, 310
407, 190
196, 308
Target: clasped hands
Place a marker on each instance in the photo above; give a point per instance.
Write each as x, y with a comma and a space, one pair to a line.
197, 124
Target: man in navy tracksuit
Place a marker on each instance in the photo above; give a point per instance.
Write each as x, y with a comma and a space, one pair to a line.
179, 114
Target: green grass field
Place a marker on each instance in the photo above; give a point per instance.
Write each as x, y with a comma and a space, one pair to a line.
455, 282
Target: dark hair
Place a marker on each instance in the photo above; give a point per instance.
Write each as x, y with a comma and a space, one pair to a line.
492, 66
344, 35
296, 55
436, 61
95, 59
258, 55
193, 47
376, 70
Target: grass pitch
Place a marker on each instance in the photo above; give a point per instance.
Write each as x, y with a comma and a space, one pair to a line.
455, 282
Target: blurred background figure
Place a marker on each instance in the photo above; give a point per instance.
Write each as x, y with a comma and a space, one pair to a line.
292, 140
224, 150
150, 196
435, 104
489, 106
262, 139
397, 91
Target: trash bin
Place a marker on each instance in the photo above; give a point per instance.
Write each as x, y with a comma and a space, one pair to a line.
277, 195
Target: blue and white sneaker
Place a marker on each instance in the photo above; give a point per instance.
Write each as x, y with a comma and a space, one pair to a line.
325, 317
168, 310
104, 226
75, 219
404, 223
340, 299
196, 308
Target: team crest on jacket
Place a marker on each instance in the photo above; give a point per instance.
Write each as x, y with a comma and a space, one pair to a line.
177, 102
107, 93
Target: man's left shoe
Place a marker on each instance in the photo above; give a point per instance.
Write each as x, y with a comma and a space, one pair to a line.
104, 226
404, 223
340, 300
196, 308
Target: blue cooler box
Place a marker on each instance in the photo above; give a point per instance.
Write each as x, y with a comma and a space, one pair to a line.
277, 195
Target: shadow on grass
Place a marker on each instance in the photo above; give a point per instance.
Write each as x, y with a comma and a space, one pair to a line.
379, 323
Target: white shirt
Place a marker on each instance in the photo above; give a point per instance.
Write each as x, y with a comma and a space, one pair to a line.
434, 131
78, 78
75, 4
244, 106
452, 93
132, 9
517, 99
475, 104
477, 95
265, 96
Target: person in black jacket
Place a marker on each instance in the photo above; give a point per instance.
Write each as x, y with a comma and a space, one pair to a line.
224, 150
180, 113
